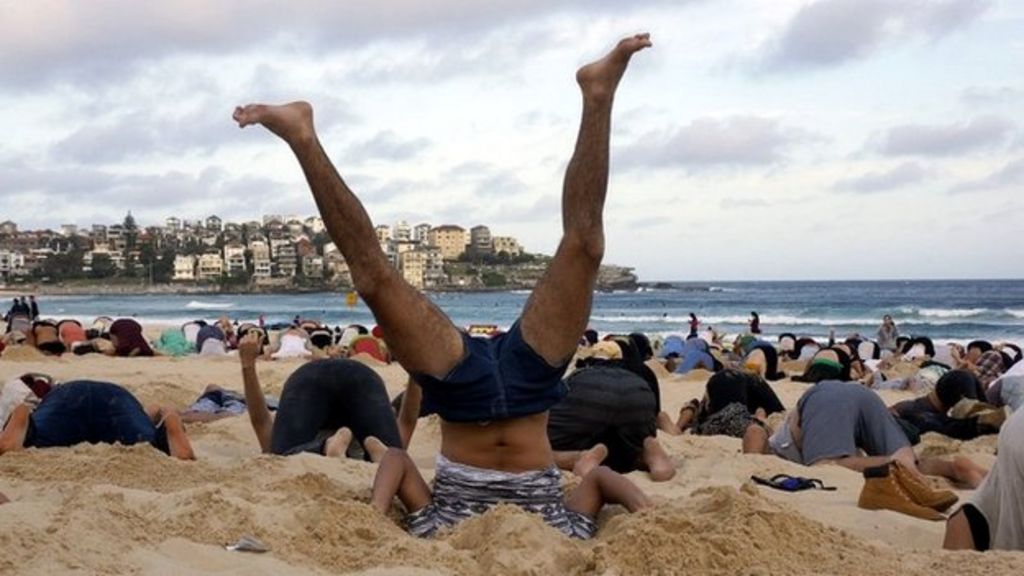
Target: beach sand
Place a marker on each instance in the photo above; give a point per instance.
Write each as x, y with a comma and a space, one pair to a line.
119, 510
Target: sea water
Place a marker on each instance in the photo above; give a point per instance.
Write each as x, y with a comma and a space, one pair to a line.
957, 310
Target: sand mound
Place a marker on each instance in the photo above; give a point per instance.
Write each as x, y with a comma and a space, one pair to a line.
23, 354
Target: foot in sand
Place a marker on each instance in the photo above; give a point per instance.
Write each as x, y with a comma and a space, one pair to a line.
374, 448
590, 459
177, 440
337, 444
659, 465
292, 122
13, 436
599, 79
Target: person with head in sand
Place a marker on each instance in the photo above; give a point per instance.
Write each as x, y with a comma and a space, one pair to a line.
492, 394
847, 424
324, 404
98, 413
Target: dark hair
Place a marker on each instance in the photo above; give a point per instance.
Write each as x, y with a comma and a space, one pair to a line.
982, 345
693, 316
956, 385
754, 314
643, 345
929, 347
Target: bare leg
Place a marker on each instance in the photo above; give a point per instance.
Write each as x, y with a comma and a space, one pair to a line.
397, 475
961, 470
666, 425
421, 338
374, 448
557, 311
589, 460
755, 440
177, 440
13, 436
603, 486
958, 533
337, 444
659, 465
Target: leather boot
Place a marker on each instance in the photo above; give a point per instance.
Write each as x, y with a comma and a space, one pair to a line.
920, 491
883, 492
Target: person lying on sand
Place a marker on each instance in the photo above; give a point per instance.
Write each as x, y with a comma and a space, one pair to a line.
930, 413
733, 401
610, 415
95, 412
492, 395
324, 404
847, 424
993, 517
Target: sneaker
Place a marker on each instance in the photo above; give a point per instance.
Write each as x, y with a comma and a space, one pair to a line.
883, 492
920, 491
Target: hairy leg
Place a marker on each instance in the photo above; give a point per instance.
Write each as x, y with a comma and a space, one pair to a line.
658, 464
13, 436
603, 486
421, 338
559, 307
397, 476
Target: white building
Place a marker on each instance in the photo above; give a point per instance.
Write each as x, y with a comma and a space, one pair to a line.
234, 258
402, 231
261, 263
184, 268
211, 267
11, 264
421, 233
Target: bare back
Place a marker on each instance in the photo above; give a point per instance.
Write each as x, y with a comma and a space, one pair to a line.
516, 445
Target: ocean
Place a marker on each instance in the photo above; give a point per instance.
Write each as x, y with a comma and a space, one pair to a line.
954, 310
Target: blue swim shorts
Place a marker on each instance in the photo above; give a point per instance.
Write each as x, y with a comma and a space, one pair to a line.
498, 378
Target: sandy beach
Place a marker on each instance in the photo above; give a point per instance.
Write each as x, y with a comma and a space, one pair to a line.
119, 510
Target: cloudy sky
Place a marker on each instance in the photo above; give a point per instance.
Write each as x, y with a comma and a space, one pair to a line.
758, 139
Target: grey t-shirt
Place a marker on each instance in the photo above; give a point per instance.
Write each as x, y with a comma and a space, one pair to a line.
838, 419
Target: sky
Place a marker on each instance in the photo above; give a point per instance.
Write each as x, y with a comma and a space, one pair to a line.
757, 139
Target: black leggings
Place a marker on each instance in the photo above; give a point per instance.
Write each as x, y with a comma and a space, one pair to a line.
325, 395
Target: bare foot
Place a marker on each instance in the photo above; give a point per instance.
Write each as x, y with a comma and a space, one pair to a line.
337, 444
600, 78
292, 122
659, 465
177, 440
374, 448
13, 436
666, 425
590, 459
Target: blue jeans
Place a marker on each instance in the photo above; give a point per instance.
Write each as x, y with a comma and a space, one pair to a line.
94, 412
325, 395
497, 379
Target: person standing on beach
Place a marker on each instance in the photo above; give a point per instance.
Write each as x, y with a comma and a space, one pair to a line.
755, 323
694, 325
492, 394
33, 308
888, 334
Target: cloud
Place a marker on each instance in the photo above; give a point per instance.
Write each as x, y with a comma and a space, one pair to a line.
979, 133
713, 142
902, 175
1011, 174
66, 40
833, 32
991, 95
386, 145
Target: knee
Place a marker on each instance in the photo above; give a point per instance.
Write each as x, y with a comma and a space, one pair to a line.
586, 245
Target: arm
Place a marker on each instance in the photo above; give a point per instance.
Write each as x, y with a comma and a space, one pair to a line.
259, 415
409, 413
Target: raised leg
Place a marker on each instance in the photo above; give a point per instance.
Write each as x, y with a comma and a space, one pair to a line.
604, 486
397, 475
421, 338
557, 312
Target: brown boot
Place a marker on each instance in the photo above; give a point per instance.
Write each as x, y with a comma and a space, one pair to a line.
883, 492
920, 491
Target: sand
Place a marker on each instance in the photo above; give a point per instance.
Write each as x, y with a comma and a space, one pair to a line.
129, 510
